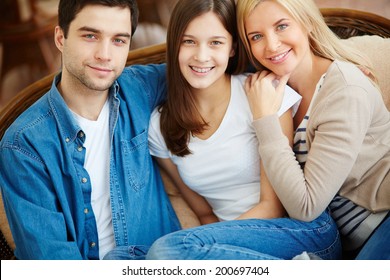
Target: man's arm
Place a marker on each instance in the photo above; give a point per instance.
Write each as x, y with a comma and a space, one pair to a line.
33, 210
153, 81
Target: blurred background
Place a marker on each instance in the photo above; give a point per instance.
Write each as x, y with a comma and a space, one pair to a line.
27, 51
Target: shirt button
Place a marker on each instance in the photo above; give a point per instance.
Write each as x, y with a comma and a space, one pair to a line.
92, 244
86, 211
80, 148
81, 134
84, 180
67, 139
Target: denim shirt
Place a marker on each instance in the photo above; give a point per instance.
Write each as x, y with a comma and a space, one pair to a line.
47, 191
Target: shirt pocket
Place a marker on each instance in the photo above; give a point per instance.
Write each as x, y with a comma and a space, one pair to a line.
137, 160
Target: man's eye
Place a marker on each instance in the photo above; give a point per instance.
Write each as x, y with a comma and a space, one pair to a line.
90, 36
119, 41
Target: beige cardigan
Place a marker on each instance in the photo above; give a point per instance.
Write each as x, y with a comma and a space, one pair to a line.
348, 137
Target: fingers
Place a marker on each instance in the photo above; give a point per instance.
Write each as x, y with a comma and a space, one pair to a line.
248, 83
266, 77
265, 91
365, 70
269, 77
282, 82
255, 77
284, 79
264, 74
251, 80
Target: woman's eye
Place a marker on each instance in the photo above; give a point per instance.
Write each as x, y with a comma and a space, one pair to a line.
282, 27
216, 43
256, 37
188, 42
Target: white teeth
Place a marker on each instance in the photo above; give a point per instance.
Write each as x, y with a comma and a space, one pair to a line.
201, 70
279, 56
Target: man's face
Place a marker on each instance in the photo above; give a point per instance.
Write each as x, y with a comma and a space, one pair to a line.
95, 50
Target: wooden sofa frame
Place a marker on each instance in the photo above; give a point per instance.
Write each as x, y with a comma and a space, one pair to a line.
344, 22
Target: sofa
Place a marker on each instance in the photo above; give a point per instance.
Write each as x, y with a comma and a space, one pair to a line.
367, 32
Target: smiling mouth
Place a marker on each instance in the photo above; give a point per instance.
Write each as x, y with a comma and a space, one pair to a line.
201, 70
279, 57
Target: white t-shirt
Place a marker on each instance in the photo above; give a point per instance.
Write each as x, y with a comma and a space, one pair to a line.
97, 163
225, 168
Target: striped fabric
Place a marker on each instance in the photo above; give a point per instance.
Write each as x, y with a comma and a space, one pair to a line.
348, 216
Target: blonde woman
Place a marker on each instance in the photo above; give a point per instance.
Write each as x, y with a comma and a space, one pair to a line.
341, 152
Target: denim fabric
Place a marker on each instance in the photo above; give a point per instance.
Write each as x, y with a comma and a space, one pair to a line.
252, 239
378, 245
47, 191
127, 253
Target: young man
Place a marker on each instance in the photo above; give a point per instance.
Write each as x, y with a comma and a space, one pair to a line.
76, 175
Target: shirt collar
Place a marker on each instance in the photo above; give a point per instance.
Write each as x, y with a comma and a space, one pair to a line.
67, 124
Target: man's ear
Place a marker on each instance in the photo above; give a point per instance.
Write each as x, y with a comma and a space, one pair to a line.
59, 38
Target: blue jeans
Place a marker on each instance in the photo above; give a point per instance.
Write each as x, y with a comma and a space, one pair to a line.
378, 246
137, 252
253, 239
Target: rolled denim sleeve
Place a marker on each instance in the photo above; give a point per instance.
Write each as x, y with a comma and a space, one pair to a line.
151, 80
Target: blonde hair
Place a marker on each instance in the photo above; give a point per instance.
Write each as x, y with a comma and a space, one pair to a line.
323, 42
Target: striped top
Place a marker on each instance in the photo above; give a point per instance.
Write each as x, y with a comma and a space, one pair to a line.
346, 214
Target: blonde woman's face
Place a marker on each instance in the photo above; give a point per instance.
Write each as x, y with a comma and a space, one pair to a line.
205, 49
276, 40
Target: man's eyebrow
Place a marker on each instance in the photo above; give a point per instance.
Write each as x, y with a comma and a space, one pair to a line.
89, 29
127, 35
94, 30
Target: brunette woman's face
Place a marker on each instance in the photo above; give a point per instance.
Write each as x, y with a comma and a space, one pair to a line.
276, 40
205, 49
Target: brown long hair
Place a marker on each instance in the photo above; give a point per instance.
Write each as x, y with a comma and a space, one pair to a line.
179, 114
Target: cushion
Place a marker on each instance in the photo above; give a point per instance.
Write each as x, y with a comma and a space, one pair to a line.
4, 226
376, 49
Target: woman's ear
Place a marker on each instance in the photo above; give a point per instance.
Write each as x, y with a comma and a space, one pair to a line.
233, 50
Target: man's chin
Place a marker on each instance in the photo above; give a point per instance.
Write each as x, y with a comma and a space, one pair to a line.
99, 86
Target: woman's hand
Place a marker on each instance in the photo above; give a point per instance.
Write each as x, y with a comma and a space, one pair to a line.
265, 93
366, 72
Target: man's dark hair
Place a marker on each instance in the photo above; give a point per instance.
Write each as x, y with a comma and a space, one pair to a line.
68, 9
